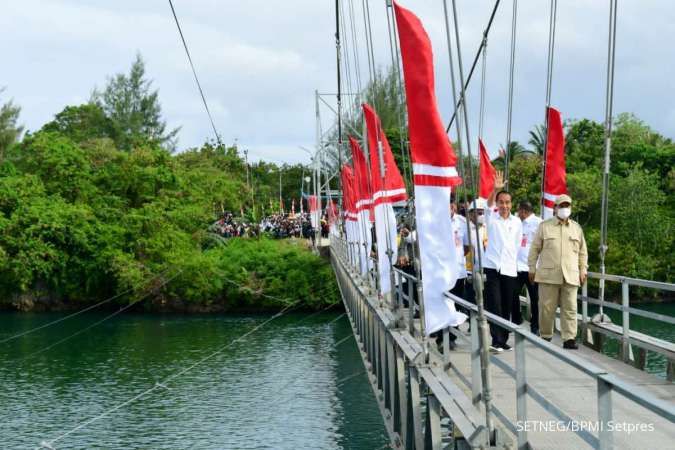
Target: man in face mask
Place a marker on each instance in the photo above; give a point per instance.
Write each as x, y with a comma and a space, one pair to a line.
560, 248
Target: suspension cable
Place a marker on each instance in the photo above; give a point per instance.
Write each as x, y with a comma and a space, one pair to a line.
549, 86
473, 66
194, 72
157, 385
371, 58
609, 103
339, 83
481, 115
398, 85
98, 322
357, 63
77, 313
165, 381
509, 114
347, 69
476, 274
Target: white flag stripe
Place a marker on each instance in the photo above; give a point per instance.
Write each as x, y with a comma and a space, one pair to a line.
437, 257
551, 197
365, 240
385, 229
389, 193
438, 171
363, 202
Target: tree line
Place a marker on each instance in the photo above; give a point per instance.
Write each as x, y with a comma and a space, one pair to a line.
98, 202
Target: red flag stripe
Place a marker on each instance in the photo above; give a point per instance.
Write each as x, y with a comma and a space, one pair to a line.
555, 178
431, 180
429, 144
488, 174
377, 141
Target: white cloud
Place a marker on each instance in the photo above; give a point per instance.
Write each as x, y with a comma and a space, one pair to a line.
259, 62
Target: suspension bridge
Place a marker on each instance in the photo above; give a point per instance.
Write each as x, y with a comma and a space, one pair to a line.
459, 395
435, 397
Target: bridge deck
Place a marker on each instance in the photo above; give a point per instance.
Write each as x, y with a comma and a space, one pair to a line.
571, 391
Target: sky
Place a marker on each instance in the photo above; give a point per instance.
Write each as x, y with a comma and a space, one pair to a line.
260, 62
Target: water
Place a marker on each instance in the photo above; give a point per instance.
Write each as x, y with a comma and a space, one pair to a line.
655, 363
280, 388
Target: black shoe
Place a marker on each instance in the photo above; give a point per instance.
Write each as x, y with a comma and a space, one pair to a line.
570, 344
506, 347
535, 331
546, 339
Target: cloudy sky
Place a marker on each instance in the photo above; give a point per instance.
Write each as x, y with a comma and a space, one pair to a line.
260, 61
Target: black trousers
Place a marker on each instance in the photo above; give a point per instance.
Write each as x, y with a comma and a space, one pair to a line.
406, 285
533, 291
499, 291
458, 290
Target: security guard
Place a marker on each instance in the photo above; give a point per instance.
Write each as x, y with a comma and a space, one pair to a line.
560, 248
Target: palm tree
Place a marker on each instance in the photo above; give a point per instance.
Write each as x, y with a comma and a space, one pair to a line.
538, 139
515, 149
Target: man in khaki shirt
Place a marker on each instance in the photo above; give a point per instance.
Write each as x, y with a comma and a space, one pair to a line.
560, 248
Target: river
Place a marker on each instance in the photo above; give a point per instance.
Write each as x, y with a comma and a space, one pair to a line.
285, 386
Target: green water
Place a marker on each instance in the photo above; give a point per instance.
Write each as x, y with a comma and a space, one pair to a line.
655, 363
283, 387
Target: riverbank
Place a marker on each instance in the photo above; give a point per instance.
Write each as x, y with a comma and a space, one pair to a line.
234, 276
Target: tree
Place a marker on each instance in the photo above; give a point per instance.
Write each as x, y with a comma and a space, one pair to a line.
134, 110
82, 123
9, 130
538, 139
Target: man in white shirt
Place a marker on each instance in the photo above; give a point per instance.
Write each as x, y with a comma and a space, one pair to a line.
476, 216
500, 263
530, 223
458, 223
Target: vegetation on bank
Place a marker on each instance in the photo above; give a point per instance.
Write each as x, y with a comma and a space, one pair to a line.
96, 204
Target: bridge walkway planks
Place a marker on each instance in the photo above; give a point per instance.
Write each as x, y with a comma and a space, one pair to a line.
571, 391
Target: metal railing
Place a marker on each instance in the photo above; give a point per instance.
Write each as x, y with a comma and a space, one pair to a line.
627, 336
397, 321
414, 396
606, 382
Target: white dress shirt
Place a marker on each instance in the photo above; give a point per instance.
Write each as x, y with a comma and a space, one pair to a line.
530, 226
504, 237
459, 231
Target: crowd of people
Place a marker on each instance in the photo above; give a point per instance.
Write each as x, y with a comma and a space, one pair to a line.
279, 226
549, 258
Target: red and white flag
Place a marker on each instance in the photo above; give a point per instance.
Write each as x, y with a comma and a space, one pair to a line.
363, 204
488, 174
347, 177
555, 176
434, 174
314, 210
388, 188
331, 214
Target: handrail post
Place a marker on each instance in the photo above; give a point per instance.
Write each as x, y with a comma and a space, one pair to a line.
476, 380
605, 435
625, 322
584, 311
521, 389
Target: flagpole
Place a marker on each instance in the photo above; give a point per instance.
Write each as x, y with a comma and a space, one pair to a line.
549, 83
609, 100
510, 107
477, 278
